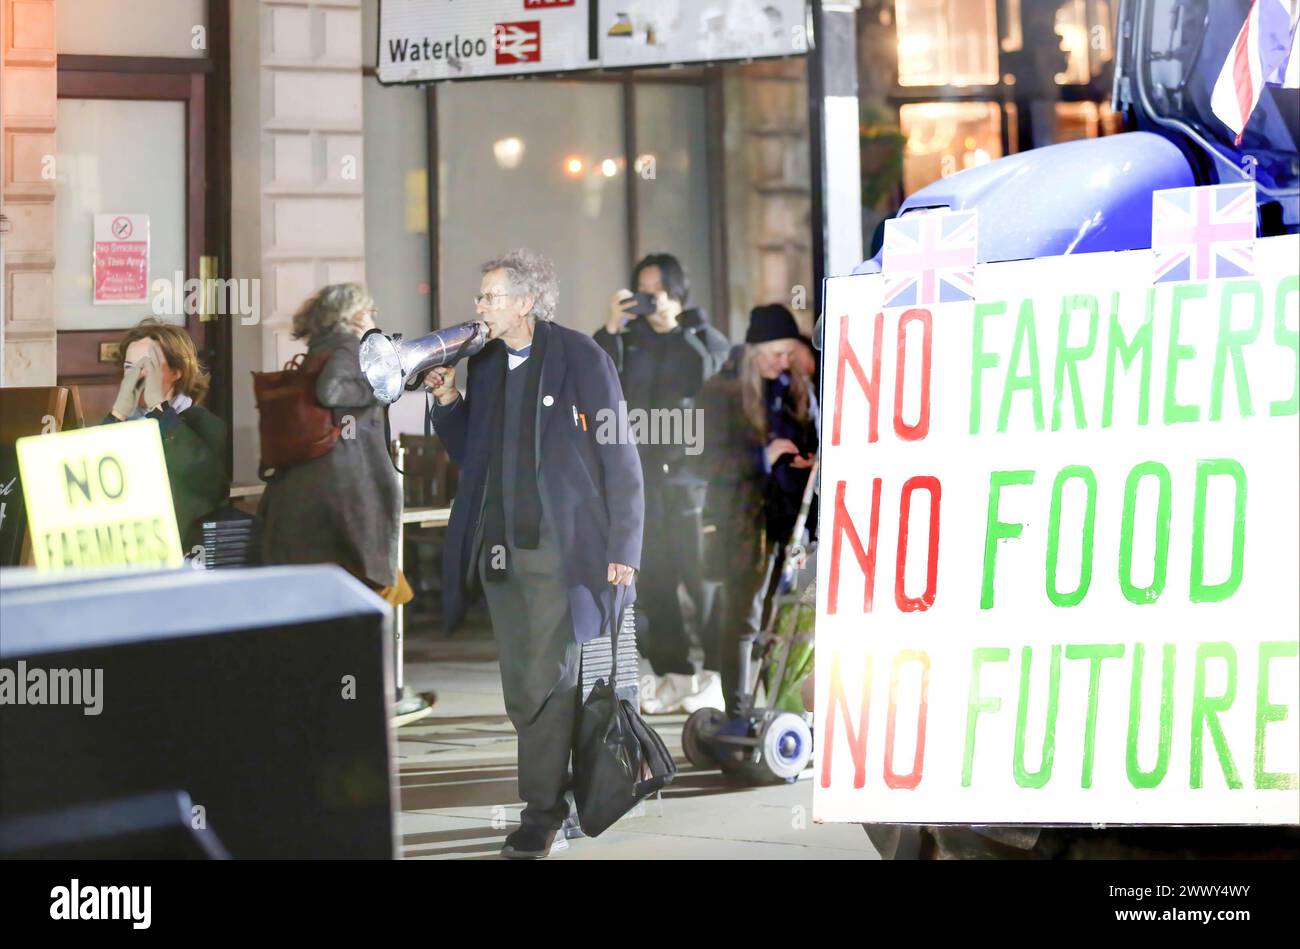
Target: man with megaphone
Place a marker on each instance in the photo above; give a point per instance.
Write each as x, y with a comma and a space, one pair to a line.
546, 516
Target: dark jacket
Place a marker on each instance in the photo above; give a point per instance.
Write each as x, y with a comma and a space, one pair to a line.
344, 507
665, 371
592, 492
194, 447
751, 505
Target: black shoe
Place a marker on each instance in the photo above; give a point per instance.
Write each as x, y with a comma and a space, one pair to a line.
571, 828
531, 843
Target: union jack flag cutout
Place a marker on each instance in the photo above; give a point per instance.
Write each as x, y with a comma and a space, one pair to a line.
1203, 233
929, 258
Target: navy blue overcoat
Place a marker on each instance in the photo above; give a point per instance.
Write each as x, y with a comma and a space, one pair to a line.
592, 491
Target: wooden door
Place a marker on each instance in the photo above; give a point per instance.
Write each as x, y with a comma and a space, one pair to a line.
129, 134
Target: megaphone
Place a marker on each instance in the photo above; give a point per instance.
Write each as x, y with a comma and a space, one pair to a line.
391, 364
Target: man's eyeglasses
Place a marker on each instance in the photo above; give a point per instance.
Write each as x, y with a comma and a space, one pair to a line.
491, 298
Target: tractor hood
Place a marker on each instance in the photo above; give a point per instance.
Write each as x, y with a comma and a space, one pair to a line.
1073, 198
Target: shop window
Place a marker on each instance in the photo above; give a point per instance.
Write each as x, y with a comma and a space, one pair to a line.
1075, 120
947, 42
537, 165
171, 28
1084, 30
673, 192
1111, 122
944, 138
1084, 27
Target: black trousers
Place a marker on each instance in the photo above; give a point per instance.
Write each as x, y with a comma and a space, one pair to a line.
540, 661
672, 554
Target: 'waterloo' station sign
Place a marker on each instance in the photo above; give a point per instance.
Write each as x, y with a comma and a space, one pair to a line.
436, 40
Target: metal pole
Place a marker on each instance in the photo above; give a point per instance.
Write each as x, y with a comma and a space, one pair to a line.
833, 141
399, 612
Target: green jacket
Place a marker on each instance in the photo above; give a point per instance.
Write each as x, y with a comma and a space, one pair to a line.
194, 444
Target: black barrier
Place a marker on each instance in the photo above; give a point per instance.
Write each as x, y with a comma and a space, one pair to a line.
262, 694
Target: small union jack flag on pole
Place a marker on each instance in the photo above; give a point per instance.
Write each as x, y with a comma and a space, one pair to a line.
1203, 233
930, 258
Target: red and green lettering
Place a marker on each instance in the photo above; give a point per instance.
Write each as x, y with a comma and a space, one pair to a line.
892, 778
836, 701
977, 704
1024, 777
1206, 709
1202, 592
926, 600
848, 359
1164, 742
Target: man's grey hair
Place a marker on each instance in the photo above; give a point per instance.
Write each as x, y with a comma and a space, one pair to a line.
530, 274
330, 307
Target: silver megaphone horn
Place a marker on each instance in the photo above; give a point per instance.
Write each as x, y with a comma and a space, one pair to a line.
391, 364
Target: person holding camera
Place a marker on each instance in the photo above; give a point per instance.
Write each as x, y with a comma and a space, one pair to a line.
664, 352
162, 379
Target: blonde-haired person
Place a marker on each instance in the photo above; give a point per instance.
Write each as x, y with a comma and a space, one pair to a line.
760, 419
163, 380
344, 507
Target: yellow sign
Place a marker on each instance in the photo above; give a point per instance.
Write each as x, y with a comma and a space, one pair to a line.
99, 497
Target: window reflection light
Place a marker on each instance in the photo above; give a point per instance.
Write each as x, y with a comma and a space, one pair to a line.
574, 166
609, 168
509, 152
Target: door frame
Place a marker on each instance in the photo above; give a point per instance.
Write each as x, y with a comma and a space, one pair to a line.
203, 85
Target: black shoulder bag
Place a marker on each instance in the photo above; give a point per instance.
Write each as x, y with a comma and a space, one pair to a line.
618, 759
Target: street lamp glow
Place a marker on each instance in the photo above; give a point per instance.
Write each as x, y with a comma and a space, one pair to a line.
574, 166
609, 168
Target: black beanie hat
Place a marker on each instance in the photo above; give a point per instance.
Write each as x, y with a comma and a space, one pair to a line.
769, 322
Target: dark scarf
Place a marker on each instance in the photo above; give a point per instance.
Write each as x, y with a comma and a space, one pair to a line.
528, 501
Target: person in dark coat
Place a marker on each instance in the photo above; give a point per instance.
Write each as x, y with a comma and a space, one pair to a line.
761, 418
344, 507
662, 359
547, 517
163, 380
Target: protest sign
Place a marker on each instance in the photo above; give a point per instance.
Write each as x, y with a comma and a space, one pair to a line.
99, 497
1059, 549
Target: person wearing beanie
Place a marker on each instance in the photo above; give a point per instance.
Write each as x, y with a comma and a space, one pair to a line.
760, 422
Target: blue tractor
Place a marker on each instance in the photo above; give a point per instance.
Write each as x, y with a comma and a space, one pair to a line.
1095, 195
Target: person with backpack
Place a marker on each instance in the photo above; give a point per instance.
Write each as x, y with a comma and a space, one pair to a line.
162, 379
343, 506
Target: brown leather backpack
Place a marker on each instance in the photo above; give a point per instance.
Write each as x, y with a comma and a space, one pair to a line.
293, 425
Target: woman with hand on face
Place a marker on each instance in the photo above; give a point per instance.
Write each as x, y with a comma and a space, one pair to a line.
163, 380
